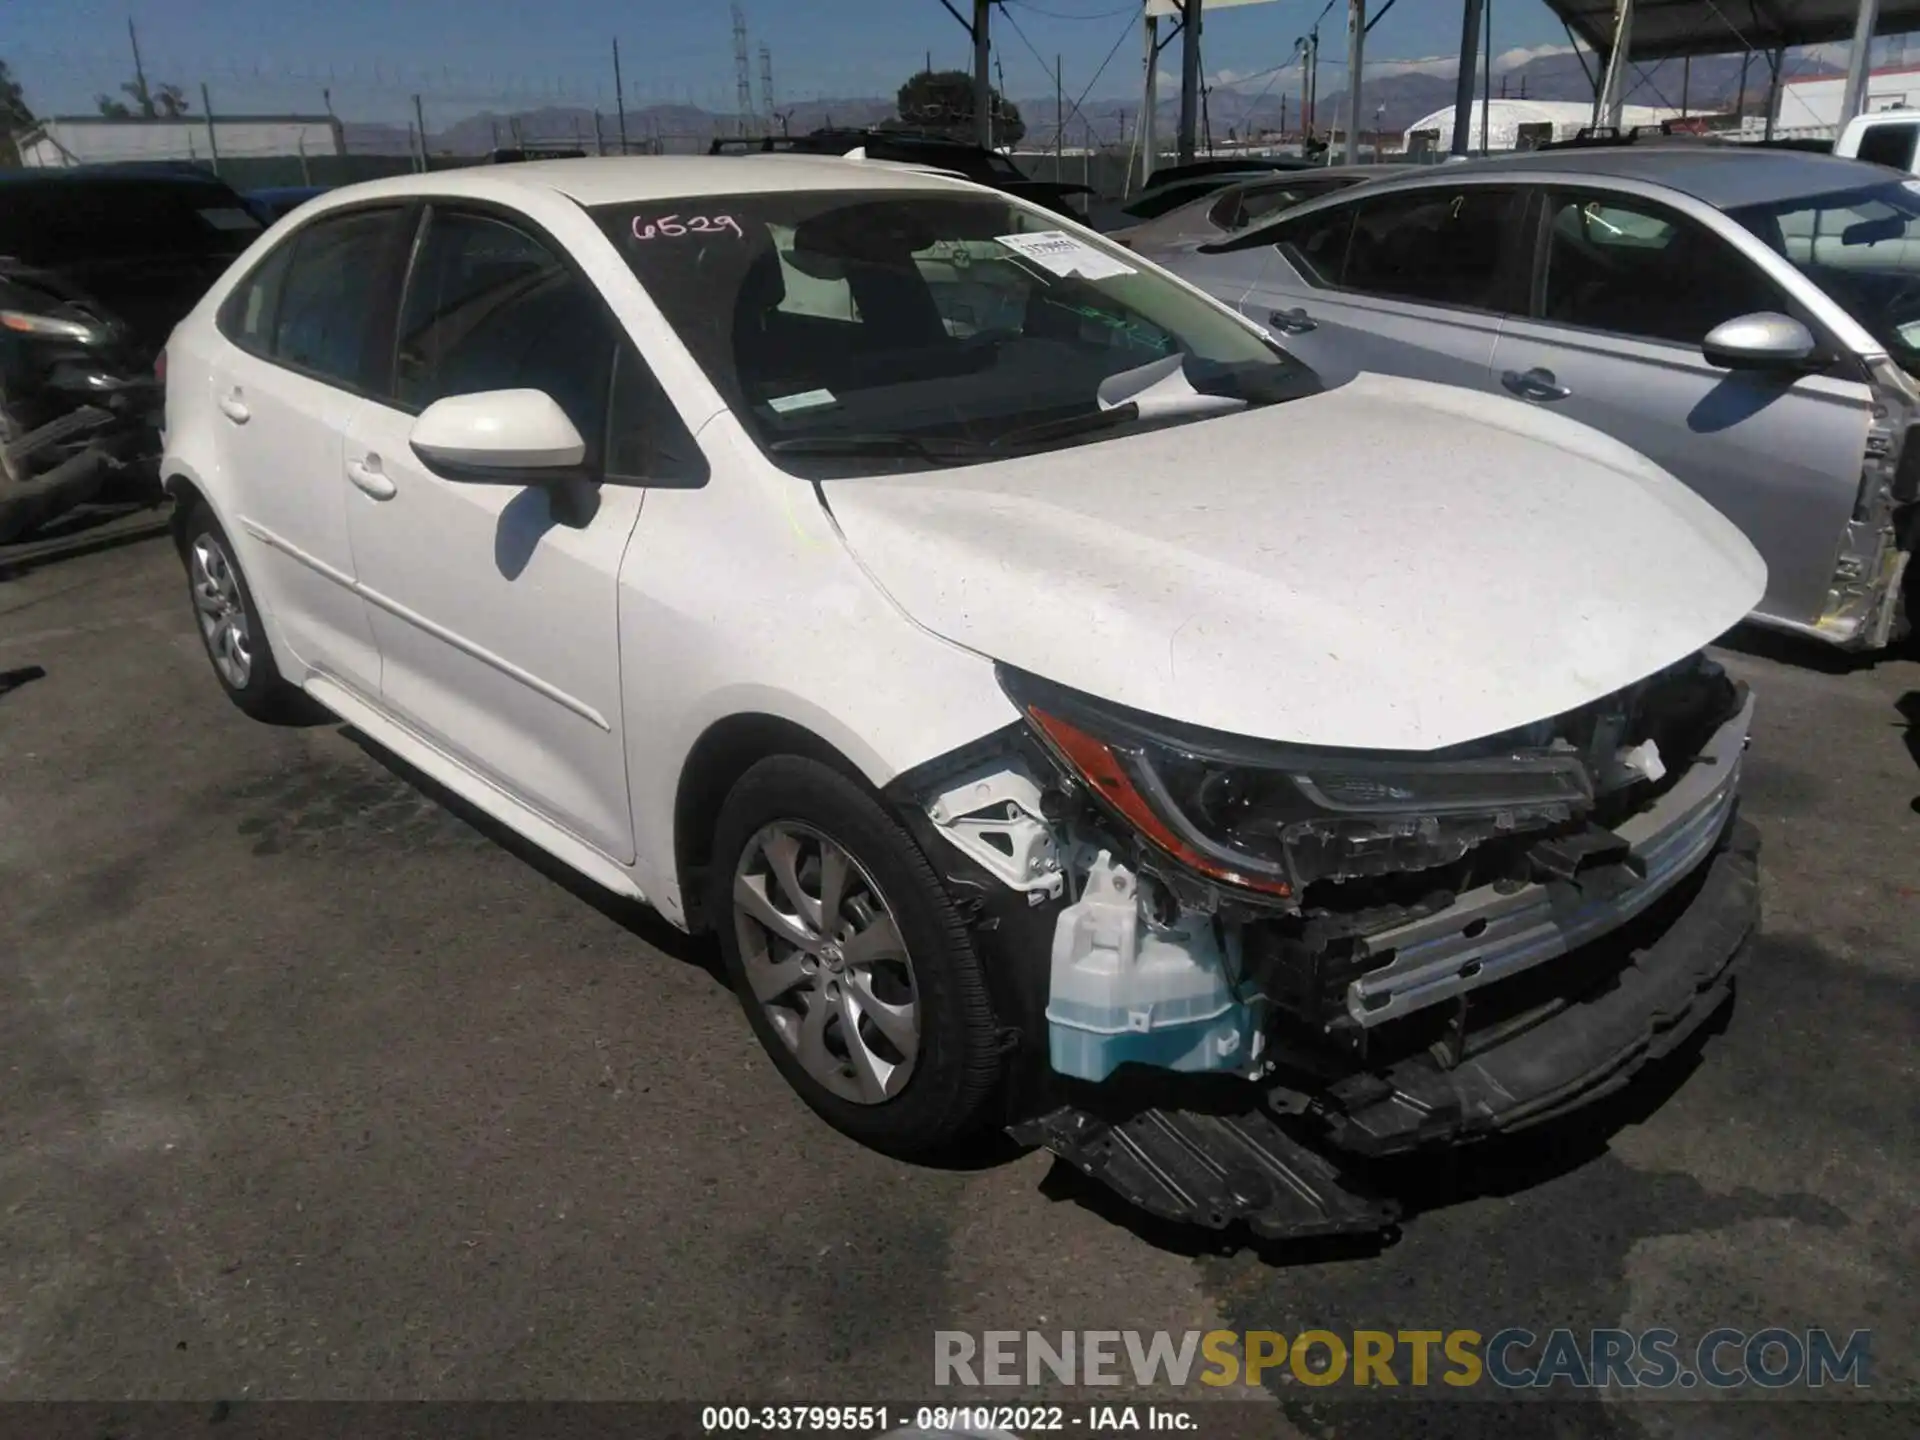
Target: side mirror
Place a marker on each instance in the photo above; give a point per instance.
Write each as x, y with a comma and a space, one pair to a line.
1763, 340
498, 437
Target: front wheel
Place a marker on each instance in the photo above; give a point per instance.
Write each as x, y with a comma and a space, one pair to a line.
850, 960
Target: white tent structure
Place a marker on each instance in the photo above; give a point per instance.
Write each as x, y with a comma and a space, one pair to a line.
1520, 124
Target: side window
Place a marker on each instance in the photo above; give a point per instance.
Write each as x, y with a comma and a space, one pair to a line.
1316, 245
647, 441
246, 318
327, 299
1437, 246
489, 307
1890, 144
1620, 264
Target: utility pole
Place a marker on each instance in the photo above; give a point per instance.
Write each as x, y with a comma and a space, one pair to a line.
419, 116
1356, 59
742, 72
766, 78
1310, 95
139, 72
1059, 124
1189, 76
1150, 102
982, 91
1686, 83
1859, 61
619, 96
976, 29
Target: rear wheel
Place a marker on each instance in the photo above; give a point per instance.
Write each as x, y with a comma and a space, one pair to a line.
850, 960
229, 620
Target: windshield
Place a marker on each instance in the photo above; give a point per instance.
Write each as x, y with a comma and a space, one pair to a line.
862, 332
66, 221
1860, 246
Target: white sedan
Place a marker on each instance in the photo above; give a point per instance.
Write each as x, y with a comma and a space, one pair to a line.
1052, 693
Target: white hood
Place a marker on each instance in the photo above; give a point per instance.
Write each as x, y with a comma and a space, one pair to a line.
1391, 565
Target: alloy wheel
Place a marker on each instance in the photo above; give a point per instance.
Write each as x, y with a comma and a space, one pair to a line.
221, 611
823, 955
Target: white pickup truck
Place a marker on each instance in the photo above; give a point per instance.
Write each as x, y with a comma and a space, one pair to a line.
1886, 137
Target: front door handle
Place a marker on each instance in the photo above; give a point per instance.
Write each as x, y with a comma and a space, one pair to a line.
1535, 384
1295, 321
234, 408
369, 477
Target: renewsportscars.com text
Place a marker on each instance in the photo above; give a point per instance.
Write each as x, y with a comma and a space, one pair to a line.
1511, 1358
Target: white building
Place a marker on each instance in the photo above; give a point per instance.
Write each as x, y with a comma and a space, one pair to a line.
1521, 124
1810, 107
94, 139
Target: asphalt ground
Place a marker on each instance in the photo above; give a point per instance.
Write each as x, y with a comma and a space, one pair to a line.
315, 1085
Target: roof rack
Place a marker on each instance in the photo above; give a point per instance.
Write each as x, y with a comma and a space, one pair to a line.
1589, 137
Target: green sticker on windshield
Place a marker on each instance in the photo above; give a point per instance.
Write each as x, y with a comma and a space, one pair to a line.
805, 400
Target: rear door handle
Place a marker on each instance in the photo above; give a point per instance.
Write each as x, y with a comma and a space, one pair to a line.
1535, 384
369, 477
1295, 321
234, 408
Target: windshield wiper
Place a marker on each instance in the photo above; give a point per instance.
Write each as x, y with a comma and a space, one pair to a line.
1073, 425
879, 442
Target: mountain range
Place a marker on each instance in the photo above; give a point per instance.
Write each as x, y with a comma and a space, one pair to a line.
1391, 102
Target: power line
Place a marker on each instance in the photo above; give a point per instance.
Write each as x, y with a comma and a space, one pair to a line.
1119, 40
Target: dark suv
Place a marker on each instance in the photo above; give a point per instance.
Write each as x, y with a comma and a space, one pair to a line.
97, 264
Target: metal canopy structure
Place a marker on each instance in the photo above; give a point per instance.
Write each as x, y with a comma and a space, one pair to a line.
1670, 29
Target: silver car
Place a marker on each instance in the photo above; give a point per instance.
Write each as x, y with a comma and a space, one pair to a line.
1219, 213
1748, 319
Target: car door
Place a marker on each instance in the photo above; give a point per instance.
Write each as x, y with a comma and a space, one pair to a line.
1624, 291
495, 615
1409, 282
299, 330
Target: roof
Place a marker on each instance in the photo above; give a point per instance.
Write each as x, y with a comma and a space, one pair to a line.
1663, 28
613, 179
1724, 176
1526, 112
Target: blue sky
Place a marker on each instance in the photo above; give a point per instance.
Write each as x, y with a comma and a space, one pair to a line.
469, 55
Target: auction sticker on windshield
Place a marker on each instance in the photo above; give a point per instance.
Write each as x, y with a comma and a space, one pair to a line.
1063, 254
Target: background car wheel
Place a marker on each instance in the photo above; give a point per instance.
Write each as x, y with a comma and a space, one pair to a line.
850, 960
229, 620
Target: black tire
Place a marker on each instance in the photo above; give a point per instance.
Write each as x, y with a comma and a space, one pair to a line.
263, 695
958, 1065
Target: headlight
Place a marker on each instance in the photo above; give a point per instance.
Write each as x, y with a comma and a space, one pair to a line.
1277, 818
50, 327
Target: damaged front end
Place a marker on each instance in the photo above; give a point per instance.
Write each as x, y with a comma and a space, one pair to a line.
1262, 961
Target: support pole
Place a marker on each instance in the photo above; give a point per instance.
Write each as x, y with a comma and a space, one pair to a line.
213, 143
1469, 60
420, 116
1613, 87
1356, 57
619, 96
1859, 61
1189, 78
1775, 59
1486, 85
982, 91
1149, 145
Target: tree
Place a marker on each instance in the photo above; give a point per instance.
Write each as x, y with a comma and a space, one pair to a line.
166, 101
941, 101
15, 115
